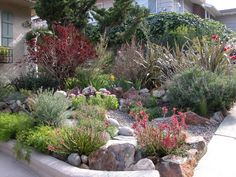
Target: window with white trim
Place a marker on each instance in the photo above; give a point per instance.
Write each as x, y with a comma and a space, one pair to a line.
7, 29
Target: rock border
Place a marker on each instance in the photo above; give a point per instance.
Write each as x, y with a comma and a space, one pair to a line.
48, 166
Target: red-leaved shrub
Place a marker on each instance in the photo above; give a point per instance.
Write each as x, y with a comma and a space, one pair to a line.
161, 139
60, 54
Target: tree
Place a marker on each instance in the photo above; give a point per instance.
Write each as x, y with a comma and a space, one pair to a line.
62, 53
65, 11
121, 21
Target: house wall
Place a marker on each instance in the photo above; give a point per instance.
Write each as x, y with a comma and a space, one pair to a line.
20, 15
188, 6
228, 20
104, 3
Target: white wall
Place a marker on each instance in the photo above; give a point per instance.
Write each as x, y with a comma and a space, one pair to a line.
228, 20
20, 15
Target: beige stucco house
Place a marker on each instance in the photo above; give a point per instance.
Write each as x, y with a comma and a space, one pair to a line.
15, 18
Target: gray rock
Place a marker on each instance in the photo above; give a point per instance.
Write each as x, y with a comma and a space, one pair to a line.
74, 159
113, 122
84, 159
165, 99
198, 143
126, 131
3, 105
116, 157
84, 166
89, 91
143, 91
18, 102
60, 93
143, 164
158, 93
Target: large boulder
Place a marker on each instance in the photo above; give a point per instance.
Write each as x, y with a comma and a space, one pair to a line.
131, 94
74, 159
116, 157
194, 119
126, 131
143, 164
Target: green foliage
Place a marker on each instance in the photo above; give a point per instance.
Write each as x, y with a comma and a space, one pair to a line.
202, 91
34, 82
10, 124
4, 51
5, 90
93, 33
120, 22
38, 138
48, 108
106, 101
65, 11
79, 101
170, 27
78, 140
149, 66
209, 54
90, 112
37, 33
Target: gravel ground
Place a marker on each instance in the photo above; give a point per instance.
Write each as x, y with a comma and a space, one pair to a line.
123, 118
196, 130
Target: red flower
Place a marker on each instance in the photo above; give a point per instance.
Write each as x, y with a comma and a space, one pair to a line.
214, 37
233, 57
226, 48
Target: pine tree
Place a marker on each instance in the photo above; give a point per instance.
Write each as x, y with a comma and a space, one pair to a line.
65, 11
121, 21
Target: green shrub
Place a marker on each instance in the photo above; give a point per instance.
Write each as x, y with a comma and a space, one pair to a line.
10, 124
202, 91
79, 101
48, 108
33, 82
165, 27
78, 140
91, 112
39, 138
106, 101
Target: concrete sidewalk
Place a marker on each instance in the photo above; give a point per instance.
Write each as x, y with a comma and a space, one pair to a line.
10, 167
220, 159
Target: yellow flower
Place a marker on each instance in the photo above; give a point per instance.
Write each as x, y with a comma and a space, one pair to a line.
112, 77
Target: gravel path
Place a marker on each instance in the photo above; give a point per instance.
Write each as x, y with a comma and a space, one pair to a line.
196, 130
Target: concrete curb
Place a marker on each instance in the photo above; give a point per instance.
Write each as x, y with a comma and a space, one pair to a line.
47, 166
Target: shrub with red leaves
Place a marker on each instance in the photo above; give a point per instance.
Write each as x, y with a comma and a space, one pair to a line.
60, 54
161, 139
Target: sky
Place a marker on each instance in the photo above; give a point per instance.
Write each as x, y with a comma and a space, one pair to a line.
223, 4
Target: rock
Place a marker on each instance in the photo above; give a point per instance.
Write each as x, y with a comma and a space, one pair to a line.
118, 91
143, 164
116, 157
143, 91
18, 102
175, 166
59, 156
7, 110
131, 94
126, 131
124, 106
104, 91
14, 107
158, 93
165, 99
194, 119
84, 159
218, 116
198, 143
74, 159
113, 122
89, 91
84, 166
121, 140
60, 93
3, 105
74, 92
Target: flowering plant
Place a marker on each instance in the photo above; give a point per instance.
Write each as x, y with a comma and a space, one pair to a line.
163, 138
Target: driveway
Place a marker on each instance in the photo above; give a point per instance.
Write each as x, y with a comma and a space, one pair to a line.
9, 167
